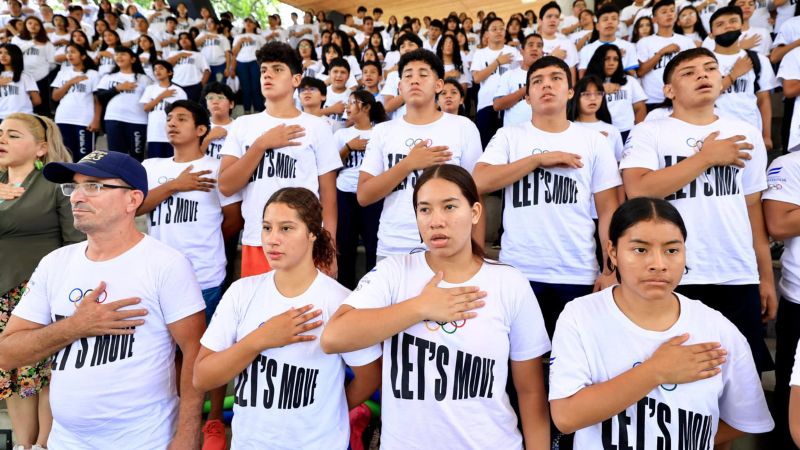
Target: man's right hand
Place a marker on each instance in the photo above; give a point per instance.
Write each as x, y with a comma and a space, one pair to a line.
193, 181
421, 156
559, 159
99, 318
725, 152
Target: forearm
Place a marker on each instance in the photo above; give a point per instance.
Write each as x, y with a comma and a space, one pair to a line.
59, 93
508, 101
664, 182
533, 411
782, 225
360, 328
791, 88
491, 177
596, 403
327, 198
367, 380
392, 104
777, 53
760, 242
378, 187
151, 105
765, 109
206, 75
155, 197
30, 346
191, 399
647, 66
235, 177
479, 75
794, 414
218, 368
98, 110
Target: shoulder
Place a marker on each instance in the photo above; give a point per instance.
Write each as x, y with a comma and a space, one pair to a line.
593, 306
505, 275
333, 290
737, 126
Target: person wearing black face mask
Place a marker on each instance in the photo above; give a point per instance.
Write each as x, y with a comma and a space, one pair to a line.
748, 77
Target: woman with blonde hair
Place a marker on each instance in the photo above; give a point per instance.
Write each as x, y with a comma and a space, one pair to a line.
35, 219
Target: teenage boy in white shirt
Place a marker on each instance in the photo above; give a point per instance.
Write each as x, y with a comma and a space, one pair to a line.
655, 51
399, 150
554, 43
550, 170
338, 93
393, 102
781, 203
488, 65
745, 94
607, 25
187, 212
510, 96
718, 188
281, 147
571, 24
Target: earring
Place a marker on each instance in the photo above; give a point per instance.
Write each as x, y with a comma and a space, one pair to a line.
38, 164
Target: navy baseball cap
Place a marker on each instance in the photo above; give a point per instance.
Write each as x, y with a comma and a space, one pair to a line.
100, 164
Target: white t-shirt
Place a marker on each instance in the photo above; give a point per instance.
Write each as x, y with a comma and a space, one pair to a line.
790, 70
189, 69
567, 21
15, 96
594, 342
292, 396
763, 47
125, 106
611, 133
739, 100
293, 166
247, 52
215, 146
347, 179
653, 81
512, 81
444, 384
784, 13
390, 143
783, 181
392, 87
77, 105
788, 32
713, 201
620, 103
214, 48
482, 59
549, 232
629, 57
190, 222
157, 118
335, 97
565, 44
628, 13
37, 57
164, 35
106, 64
130, 378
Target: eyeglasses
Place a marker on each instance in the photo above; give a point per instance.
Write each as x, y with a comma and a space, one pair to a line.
89, 189
593, 94
212, 97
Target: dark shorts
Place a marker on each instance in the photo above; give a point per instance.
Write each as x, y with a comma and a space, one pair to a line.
553, 298
211, 296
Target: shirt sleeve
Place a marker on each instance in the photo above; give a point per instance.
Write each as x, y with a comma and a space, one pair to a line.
767, 80
629, 59
179, 277
359, 357
527, 336
59, 79
783, 179
569, 366
373, 154
754, 178
640, 151
790, 66
221, 331
637, 92
34, 306
29, 83
497, 150
472, 149
742, 404
605, 174
377, 288
232, 146
147, 95
325, 151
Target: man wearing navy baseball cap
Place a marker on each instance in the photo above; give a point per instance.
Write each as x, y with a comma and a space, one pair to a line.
111, 310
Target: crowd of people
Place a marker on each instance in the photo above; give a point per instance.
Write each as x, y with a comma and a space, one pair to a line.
628, 149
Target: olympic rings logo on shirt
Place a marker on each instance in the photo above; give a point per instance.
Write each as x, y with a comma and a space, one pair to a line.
77, 294
666, 387
411, 142
447, 327
696, 144
164, 179
774, 187
538, 151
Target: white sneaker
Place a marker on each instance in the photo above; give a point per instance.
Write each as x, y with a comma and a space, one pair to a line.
38, 447
18, 447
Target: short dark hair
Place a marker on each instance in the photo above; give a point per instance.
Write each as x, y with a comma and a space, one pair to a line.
531, 36
374, 64
686, 55
165, 64
171, 19
314, 83
280, 52
199, 113
662, 4
339, 62
409, 37
215, 87
436, 23
544, 62
725, 11
608, 8
377, 10
426, 56
548, 6
362, 9
576, 2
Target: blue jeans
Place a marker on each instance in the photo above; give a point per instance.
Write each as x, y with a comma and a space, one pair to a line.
217, 73
126, 137
250, 83
211, 296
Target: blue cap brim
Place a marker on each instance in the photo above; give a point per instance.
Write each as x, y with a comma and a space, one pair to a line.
63, 172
